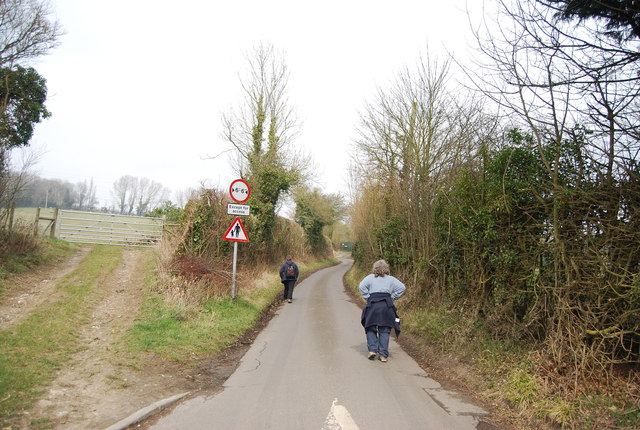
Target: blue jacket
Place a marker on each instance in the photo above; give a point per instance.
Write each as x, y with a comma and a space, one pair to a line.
283, 271
381, 311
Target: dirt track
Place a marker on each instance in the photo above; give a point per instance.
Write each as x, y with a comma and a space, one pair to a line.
99, 386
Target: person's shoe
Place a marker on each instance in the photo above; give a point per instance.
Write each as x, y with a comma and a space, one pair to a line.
290, 300
372, 355
382, 358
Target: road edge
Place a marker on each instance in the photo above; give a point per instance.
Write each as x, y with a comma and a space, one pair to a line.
146, 412
155, 408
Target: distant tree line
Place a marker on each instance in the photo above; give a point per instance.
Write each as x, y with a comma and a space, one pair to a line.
130, 195
56, 193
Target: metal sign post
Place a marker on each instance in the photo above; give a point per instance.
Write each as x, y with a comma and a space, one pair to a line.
235, 233
233, 276
240, 193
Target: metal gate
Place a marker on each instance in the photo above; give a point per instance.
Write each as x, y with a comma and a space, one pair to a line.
108, 229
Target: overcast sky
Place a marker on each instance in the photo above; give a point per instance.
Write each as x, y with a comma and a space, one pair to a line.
137, 87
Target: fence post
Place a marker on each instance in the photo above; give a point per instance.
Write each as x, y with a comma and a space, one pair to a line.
54, 222
35, 224
12, 209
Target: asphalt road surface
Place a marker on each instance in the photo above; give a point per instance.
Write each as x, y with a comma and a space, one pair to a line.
308, 369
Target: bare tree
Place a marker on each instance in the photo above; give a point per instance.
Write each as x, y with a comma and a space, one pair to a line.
133, 195
553, 75
412, 137
137, 195
17, 182
122, 190
183, 196
26, 32
265, 124
86, 195
150, 194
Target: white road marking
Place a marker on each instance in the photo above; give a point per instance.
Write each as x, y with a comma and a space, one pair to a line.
339, 418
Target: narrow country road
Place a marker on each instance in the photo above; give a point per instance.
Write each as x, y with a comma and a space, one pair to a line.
308, 370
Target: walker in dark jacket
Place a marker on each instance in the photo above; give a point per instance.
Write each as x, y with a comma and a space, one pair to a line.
288, 276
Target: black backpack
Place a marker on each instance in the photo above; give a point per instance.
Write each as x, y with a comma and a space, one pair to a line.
290, 272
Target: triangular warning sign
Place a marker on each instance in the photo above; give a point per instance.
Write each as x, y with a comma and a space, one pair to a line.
236, 233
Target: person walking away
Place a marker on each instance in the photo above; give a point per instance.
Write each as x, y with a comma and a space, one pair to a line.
380, 289
288, 276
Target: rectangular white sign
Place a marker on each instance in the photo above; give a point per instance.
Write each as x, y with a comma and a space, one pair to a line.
234, 209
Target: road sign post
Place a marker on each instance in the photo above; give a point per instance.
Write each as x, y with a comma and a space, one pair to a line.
233, 275
240, 192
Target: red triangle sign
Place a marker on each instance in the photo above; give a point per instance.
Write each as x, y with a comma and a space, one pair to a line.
236, 232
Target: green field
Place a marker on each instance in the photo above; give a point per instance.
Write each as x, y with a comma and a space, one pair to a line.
25, 218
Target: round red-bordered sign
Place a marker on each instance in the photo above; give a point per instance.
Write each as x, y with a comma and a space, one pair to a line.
240, 191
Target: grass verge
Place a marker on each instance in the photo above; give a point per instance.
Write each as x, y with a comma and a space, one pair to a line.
180, 332
513, 376
42, 342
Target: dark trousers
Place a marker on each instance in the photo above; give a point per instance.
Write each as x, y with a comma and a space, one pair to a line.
288, 288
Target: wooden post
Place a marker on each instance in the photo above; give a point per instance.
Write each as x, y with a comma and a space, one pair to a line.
12, 209
36, 222
54, 222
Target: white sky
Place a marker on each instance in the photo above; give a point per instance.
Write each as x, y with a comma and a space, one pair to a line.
137, 87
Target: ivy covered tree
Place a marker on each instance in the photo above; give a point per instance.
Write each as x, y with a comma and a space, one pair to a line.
261, 132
